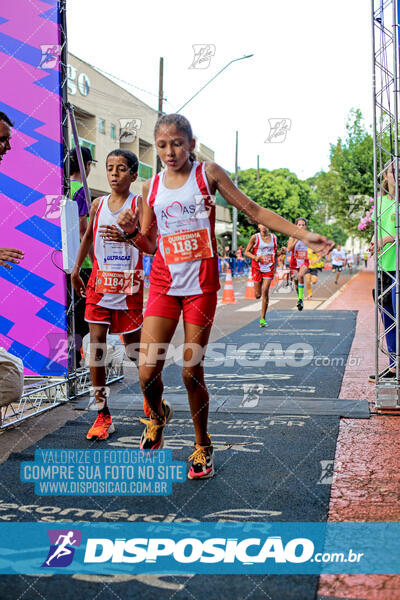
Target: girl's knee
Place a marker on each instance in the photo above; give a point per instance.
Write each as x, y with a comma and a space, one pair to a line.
148, 376
193, 377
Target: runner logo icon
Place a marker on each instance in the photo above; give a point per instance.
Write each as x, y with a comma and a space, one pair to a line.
61, 552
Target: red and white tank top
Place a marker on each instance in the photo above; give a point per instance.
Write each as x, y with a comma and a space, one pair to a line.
267, 251
186, 261
299, 255
115, 257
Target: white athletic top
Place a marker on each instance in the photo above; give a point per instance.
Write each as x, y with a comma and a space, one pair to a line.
115, 256
350, 258
189, 208
267, 250
338, 257
299, 255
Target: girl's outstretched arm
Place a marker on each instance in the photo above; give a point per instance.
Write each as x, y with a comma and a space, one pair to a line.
291, 244
220, 181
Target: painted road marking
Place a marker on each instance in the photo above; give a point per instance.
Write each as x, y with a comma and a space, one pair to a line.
311, 304
255, 307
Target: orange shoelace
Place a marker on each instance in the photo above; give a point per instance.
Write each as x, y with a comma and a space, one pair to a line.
199, 456
152, 428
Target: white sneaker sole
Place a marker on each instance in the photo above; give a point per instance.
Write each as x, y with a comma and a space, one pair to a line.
210, 474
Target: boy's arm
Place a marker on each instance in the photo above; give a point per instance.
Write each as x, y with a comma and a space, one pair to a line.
87, 239
248, 252
86, 244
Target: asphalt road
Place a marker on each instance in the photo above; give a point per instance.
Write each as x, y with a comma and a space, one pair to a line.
228, 319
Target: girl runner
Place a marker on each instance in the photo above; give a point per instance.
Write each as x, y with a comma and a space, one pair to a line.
299, 260
263, 252
178, 219
114, 293
316, 265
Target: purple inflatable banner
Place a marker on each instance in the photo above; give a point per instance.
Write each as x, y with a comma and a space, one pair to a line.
33, 293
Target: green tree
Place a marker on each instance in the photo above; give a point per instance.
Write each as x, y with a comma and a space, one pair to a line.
346, 188
280, 191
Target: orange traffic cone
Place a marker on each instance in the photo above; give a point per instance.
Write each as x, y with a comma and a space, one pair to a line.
228, 295
250, 294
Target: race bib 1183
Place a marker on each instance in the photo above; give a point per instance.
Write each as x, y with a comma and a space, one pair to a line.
187, 245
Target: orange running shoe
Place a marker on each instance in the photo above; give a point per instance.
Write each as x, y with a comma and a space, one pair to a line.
101, 428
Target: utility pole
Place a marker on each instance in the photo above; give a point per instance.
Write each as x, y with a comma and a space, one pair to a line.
234, 211
160, 100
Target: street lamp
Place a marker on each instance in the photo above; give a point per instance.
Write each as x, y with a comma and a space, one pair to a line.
234, 216
212, 79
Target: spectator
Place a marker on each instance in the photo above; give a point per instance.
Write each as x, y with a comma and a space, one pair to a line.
387, 270
147, 264
240, 260
7, 254
78, 194
225, 260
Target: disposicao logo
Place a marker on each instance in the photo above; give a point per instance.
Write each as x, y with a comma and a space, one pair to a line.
191, 550
62, 542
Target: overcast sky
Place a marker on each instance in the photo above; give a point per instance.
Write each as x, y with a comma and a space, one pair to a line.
311, 64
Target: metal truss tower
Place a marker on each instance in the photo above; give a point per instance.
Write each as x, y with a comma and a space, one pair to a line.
386, 223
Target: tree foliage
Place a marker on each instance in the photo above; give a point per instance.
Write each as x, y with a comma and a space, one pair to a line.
343, 192
346, 188
282, 191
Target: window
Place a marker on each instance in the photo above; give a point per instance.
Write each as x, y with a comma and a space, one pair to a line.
113, 132
86, 144
145, 171
102, 126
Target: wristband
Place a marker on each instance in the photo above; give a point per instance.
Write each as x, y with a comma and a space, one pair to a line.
129, 236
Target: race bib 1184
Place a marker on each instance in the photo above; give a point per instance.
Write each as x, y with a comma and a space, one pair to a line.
118, 282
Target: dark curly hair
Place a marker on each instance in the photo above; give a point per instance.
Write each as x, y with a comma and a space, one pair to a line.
131, 159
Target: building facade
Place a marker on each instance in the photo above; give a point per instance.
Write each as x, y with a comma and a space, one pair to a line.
109, 117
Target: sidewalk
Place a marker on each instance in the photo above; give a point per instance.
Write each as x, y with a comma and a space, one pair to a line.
367, 463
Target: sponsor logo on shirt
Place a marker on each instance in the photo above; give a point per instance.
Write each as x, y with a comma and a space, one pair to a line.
116, 257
